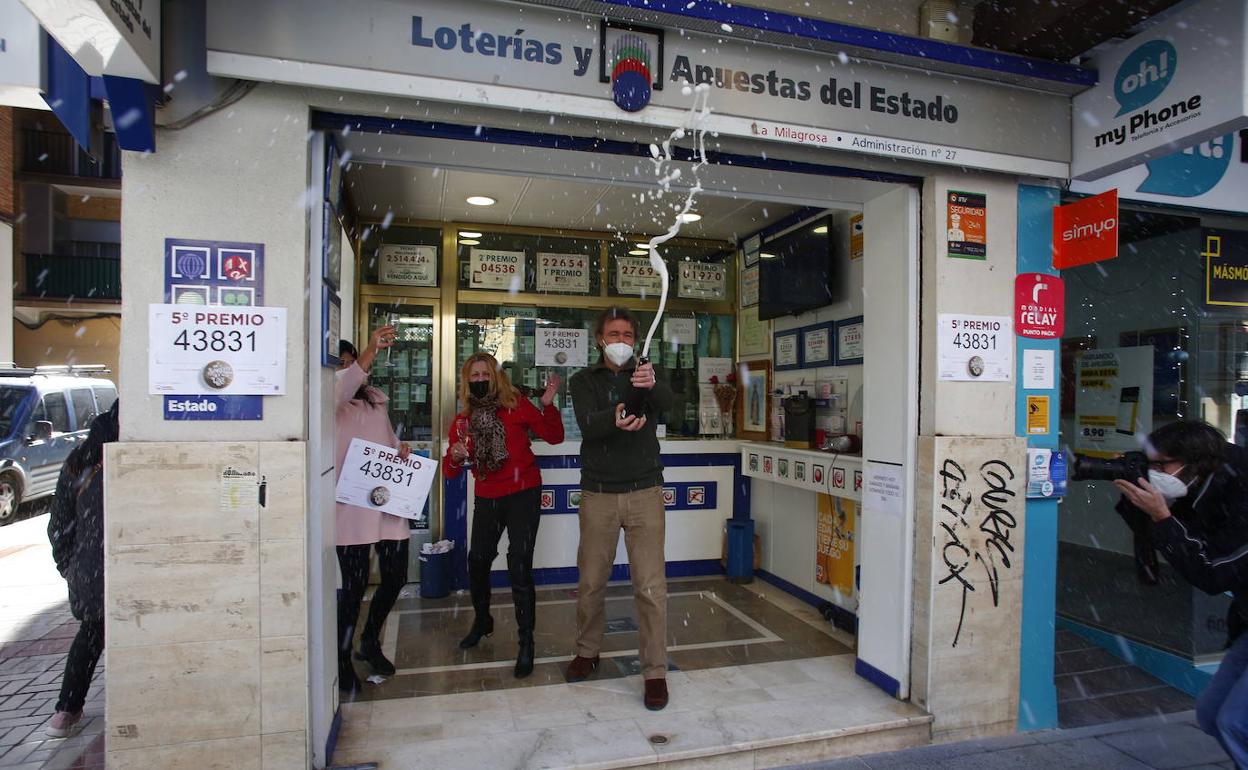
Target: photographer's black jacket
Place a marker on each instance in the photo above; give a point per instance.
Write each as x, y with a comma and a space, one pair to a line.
1206, 537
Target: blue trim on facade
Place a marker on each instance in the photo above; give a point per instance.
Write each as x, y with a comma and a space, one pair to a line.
841, 617
876, 677
570, 575
1177, 672
1037, 701
922, 49
328, 121
331, 742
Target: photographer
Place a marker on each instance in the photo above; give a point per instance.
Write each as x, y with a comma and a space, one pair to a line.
1194, 508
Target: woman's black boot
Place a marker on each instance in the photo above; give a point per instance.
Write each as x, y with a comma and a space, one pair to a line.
524, 659
482, 625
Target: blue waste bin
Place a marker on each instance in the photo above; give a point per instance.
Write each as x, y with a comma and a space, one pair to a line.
435, 575
740, 533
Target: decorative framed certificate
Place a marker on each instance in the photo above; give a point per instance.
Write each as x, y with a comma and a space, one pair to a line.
819, 344
787, 347
849, 341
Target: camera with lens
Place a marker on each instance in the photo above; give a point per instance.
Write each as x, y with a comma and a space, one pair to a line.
1130, 466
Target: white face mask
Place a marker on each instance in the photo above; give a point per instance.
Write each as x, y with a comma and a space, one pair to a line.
618, 353
1170, 486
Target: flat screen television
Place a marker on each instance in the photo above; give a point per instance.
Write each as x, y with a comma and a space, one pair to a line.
797, 270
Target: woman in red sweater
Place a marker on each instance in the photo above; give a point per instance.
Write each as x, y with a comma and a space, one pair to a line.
493, 432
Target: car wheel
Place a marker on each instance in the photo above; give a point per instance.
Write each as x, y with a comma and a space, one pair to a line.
10, 497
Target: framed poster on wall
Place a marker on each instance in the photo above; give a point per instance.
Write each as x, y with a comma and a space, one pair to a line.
331, 322
754, 336
788, 350
754, 402
749, 286
849, 341
331, 246
819, 345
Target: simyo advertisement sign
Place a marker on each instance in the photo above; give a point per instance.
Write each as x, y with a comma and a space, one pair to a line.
1177, 84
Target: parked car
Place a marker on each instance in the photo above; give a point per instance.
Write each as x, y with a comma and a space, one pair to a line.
44, 414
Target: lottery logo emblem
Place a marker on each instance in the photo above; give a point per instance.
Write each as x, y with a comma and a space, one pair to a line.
379, 496
218, 374
236, 267
190, 263
630, 72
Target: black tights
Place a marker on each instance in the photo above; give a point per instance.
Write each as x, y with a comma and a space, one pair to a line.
519, 514
353, 561
84, 653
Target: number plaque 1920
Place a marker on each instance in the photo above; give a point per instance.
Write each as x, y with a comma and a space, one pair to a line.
210, 350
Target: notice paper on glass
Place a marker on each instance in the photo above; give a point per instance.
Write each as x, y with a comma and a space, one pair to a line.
1038, 369
883, 487
562, 347
374, 477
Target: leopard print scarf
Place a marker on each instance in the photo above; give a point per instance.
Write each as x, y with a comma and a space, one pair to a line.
489, 438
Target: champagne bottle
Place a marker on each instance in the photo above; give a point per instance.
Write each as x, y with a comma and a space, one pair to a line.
635, 398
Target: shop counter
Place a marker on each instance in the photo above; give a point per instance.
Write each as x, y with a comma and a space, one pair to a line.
703, 486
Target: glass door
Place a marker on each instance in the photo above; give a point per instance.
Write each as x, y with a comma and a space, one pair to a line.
408, 374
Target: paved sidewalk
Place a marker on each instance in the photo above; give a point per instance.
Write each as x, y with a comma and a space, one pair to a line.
1167, 742
36, 629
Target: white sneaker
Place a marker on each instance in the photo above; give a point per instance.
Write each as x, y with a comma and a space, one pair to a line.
62, 723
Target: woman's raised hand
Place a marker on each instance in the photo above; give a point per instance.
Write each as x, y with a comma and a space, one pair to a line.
552, 387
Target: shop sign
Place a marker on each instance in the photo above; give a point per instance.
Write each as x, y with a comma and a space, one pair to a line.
375, 478
1113, 400
1039, 306
510, 54
106, 37
635, 275
563, 272
967, 219
23, 76
562, 347
1178, 83
975, 348
1226, 267
491, 269
702, 280
216, 350
404, 264
1086, 231
1209, 175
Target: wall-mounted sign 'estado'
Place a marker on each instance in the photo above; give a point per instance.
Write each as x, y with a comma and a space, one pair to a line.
216, 350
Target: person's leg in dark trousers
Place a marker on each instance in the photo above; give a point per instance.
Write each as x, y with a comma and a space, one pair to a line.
353, 564
1222, 708
84, 653
488, 521
392, 562
523, 517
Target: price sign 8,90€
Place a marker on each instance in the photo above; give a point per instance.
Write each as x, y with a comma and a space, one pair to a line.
374, 477
208, 350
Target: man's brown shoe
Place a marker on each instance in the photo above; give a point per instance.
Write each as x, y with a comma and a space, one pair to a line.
580, 668
656, 694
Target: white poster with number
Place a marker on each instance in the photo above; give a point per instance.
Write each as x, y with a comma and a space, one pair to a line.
493, 269
404, 264
373, 477
1113, 400
975, 348
702, 280
562, 347
563, 272
219, 351
634, 275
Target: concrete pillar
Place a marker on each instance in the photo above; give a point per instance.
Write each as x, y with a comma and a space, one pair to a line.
7, 290
207, 615
969, 498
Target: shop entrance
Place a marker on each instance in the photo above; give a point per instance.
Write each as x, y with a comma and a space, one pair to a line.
734, 650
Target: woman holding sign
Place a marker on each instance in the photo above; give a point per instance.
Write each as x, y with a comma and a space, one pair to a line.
493, 432
362, 414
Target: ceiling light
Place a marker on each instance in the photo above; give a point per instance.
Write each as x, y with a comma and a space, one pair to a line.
468, 234
690, 217
820, 230
480, 200
765, 255
415, 320
639, 253
469, 242
645, 245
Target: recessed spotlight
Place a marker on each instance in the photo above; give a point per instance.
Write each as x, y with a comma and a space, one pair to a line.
469, 242
468, 234
690, 217
820, 230
765, 255
480, 200
639, 253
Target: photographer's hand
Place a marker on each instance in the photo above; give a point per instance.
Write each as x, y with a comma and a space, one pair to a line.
1145, 497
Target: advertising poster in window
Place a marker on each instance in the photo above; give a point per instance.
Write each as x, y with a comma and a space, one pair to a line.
635, 276
563, 272
408, 264
492, 269
968, 225
1113, 399
834, 544
702, 280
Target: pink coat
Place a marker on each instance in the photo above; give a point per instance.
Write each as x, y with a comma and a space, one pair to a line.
359, 419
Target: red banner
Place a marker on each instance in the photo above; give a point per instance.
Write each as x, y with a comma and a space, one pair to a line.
1086, 231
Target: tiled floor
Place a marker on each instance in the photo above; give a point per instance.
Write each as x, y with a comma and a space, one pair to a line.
750, 669
1094, 687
